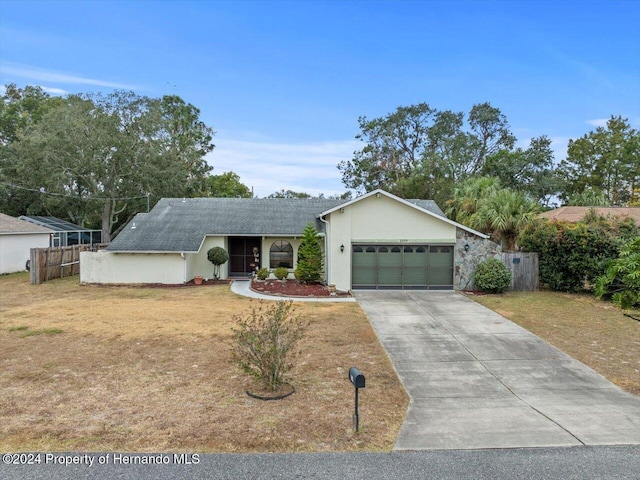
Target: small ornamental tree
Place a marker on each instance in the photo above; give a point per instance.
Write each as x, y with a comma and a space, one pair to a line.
218, 256
492, 276
264, 342
309, 268
621, 281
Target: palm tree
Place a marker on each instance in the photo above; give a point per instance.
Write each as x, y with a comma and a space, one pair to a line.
468, 197
506, 213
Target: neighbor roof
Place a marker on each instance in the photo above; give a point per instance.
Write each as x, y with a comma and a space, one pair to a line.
180, 224
575, 214
54, 223
12, 225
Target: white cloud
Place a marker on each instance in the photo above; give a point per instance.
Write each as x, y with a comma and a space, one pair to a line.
598, 122
42, 75
268, 167
54, 91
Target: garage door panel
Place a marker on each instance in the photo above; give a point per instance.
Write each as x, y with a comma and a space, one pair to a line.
402, 266
440, 265
390, 276
365, 276
415, 277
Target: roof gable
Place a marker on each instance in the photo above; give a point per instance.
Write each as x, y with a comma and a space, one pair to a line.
426, 206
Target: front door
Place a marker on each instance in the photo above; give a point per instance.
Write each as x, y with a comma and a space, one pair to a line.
242, 259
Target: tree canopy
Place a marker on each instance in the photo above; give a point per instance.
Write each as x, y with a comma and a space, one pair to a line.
420, 152
96, 159
227, 184
605, 161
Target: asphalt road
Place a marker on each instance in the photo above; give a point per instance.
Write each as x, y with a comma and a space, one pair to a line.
566, 463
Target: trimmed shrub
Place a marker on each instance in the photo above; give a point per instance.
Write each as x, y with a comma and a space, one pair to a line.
263, 273
492, 276
281, 273
309, 269
264, 342
217, 256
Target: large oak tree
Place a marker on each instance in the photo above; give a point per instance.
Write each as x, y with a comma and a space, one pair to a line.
96, 157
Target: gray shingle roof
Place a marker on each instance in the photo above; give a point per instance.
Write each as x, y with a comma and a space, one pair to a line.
180, 225
11, 225
428, 205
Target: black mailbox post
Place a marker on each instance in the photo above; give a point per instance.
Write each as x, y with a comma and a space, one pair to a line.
357, 378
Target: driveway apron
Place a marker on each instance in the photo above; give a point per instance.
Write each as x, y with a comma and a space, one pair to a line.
477, 380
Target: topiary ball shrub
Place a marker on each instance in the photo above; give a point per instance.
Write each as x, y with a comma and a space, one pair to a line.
281, 273
262, 274
218, 256
492, 276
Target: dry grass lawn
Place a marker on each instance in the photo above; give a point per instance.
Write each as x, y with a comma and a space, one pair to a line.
147, 369
594, 332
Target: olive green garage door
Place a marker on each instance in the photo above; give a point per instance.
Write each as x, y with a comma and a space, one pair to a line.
402, 267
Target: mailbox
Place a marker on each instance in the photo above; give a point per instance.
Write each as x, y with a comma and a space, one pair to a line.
356, 377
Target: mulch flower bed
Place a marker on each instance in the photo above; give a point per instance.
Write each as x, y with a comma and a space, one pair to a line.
292, 288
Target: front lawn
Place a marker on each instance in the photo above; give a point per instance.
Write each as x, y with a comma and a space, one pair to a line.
592, 331
147, 369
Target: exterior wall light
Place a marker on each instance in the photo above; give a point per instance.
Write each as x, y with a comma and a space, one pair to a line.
466, 247
342, 248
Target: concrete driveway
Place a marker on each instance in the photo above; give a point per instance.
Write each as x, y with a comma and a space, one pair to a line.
477, 380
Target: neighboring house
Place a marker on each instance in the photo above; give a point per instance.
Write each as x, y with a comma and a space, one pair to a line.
17, 238
65, 233
374, 241
576, 214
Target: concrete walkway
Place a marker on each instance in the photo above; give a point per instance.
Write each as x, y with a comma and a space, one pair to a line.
477, 380
242, 287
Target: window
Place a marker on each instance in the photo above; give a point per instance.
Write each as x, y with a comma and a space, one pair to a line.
281, 254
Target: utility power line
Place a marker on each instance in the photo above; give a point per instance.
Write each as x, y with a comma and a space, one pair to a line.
66, 195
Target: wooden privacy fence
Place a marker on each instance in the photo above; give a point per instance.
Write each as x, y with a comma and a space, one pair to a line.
55, 262
524, 270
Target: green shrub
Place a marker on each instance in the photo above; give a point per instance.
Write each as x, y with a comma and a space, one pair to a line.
621, 281
492, 276
281, 273
263, 273
573, 255
264, 342
309, 268
217, 256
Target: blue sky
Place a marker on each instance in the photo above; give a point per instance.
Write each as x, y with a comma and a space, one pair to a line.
283, 83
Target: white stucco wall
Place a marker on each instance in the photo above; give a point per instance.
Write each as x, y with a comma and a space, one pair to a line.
15, 249
199, 264
380, 220
110, 267
265, 256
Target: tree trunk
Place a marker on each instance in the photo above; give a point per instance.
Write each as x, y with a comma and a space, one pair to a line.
106, 221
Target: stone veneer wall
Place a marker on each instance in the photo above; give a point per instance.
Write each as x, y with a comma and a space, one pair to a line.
465, 263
